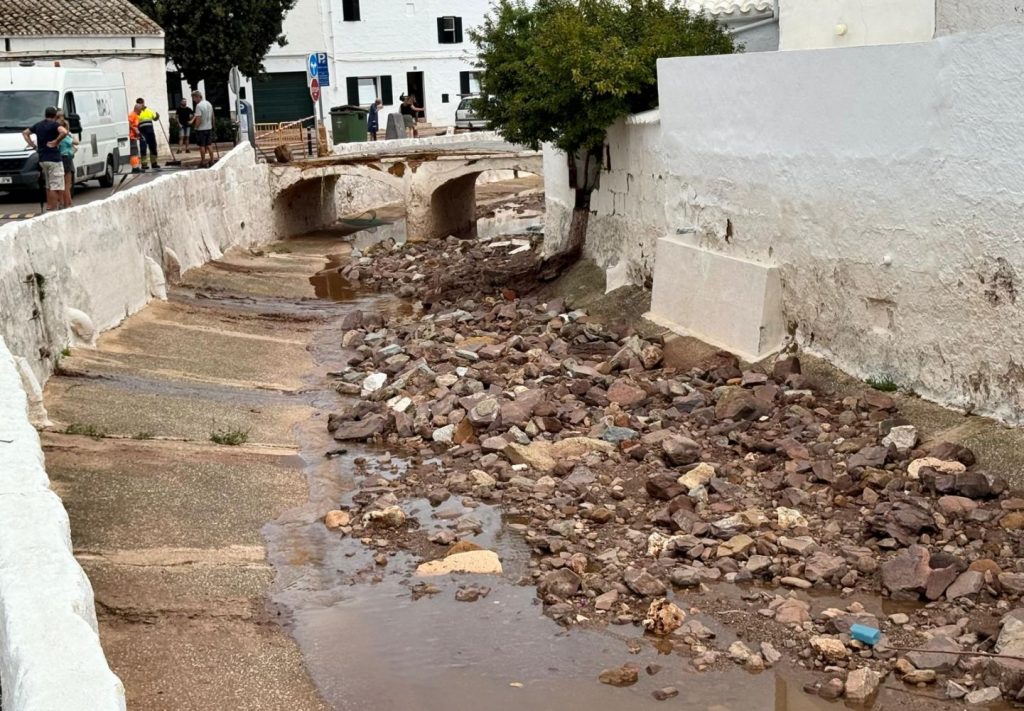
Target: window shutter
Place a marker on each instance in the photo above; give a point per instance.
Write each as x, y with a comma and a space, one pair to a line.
458, 30
464, 82
386, 96
440, 31
350, 10
353, 90
355, 10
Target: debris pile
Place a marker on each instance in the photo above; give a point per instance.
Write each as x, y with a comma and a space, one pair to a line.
642, 476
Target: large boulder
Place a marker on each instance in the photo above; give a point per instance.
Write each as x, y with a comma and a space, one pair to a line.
906, 574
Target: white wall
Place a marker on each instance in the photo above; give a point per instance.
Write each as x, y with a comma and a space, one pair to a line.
93, 257
143, 66
813, 24
887, 183
952, 16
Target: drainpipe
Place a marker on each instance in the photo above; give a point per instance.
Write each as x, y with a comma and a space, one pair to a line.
770, 20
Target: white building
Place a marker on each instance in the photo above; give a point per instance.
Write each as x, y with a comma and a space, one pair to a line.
111, 35
377, 49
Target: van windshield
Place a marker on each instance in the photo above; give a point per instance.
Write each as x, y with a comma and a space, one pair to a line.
22, 109
466, 105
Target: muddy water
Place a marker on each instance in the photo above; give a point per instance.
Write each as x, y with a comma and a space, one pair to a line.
368, 643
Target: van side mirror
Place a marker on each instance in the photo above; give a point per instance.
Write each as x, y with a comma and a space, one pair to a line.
75, 122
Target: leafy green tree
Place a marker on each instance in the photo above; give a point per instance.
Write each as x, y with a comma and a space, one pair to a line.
209, 37
562, 71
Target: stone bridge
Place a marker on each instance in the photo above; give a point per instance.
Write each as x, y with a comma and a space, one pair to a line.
436, 182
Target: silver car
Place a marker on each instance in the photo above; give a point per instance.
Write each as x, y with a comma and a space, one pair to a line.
465, 116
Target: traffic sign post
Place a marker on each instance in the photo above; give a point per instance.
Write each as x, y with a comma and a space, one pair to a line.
319, 68
314, 89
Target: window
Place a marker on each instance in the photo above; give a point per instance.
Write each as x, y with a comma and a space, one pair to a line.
69, 104
469, 83
363, 91
449, 30
350, 10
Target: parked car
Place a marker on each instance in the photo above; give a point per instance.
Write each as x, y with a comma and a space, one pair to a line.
96, 106
465, 116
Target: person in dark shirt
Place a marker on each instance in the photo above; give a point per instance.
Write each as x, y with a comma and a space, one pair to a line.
48, 135
409, 109
185, 114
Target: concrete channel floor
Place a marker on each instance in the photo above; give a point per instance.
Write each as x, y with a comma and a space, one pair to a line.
167, 523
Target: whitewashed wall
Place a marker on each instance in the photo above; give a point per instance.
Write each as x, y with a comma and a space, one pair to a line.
887, 183
93, 258
952, 16
814, 24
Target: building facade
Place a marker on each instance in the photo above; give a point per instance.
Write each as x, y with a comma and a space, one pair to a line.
111, 35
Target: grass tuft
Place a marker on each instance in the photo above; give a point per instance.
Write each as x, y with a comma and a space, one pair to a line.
883, 383
77, 428
230, 436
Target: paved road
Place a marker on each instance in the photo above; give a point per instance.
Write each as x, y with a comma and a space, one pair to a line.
23, 206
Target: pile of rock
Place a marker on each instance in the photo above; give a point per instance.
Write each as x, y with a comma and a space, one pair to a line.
640, 474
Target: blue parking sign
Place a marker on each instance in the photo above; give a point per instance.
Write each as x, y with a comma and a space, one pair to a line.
314, 65
323, 69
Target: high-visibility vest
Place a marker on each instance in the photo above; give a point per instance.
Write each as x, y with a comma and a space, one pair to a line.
146, 117
133, 125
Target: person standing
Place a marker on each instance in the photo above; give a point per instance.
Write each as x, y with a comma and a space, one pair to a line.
68, 146
185, 114
373, 119
409, 109
48, 134
203, 121
147, 131
134, 138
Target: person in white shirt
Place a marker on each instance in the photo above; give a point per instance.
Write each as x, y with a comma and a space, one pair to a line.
203, 121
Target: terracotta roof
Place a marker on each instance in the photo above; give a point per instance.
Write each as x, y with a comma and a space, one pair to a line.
42, 18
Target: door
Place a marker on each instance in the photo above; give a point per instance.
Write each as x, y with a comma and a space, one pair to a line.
414, 84
281, 96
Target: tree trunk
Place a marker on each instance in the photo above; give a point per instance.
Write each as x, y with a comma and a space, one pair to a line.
578, 225
583, 185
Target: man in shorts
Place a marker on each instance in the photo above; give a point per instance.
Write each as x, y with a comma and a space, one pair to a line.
203, 121
48, 135
185, 114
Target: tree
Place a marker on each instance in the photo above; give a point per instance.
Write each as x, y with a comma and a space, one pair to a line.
209, 37
562, 71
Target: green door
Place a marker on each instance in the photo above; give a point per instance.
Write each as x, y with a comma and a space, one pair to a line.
282, 96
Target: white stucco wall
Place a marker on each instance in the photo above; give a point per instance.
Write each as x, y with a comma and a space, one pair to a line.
50, 654
813, 24
952, 16
93, 257
887, 184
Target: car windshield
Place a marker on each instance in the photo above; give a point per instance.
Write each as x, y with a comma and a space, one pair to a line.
466, 105
21, 109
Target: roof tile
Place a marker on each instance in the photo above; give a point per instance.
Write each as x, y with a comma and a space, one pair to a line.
41, 18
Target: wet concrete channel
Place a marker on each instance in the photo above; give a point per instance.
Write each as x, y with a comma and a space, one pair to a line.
203, 555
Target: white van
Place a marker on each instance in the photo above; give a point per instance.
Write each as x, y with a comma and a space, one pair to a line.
96, 106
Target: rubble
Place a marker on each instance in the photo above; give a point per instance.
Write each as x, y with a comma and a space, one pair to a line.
633, 481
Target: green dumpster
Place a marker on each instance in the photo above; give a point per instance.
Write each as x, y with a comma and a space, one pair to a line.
348, 124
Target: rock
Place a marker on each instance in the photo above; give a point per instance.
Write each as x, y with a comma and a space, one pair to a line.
737, 545
444, 435
544, 456
939, 465
1011, 636
956, 506
979, 485
792, 611
955, 691
620, 676
907, 572
794, 582
698, 476
337, 519
471, 594
758, 563
562, 583
663, 617
619, 434
360, 429
861, 684
372, 383
823, 567
625, 393
1013, 521
832, 689
643, 583
770, 654
481, 562
737, 404
877, 400
830, 648
803, 545
664, 693
1011, 582
950, 451
939, 580
390, 517
988, 695
899, 618
920, 676
789, 518
740, 652
680, 450
606, 601
685, 577
968, 583
903, 437
484, 412
936, 655
664, 486
785, 367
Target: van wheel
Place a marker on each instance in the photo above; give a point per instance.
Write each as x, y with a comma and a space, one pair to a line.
107, 179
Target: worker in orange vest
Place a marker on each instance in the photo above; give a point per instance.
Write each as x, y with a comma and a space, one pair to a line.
134, 136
